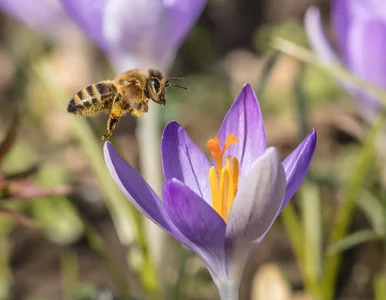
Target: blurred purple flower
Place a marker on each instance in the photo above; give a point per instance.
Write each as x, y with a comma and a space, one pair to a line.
221, 211
360, 27
144, 34
46, 16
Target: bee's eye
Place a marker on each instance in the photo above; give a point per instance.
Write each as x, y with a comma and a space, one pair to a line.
155, 83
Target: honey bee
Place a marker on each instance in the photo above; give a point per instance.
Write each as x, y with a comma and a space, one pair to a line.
129, 92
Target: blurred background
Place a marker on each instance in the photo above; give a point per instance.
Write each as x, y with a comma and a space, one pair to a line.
58, 237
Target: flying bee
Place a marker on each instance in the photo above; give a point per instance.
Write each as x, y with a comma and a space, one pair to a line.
129, 92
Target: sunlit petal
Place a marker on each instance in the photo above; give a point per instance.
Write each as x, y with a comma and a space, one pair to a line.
245, 121
135, 188
88, 15
296, 166
183, 160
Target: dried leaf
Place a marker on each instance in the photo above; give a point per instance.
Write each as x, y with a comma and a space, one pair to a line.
10, 136
32, 170
19, 218
27, 190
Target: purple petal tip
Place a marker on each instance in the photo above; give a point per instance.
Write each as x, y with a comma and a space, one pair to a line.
313, 135
171, 125
107, 148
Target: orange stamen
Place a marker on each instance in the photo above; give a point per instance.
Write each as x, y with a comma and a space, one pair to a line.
214, 148
224, 180
231, 139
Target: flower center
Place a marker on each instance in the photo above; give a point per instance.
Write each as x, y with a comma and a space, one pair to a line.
224, 179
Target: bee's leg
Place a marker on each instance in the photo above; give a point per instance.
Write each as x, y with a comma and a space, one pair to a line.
140, 110
112, 124
115, 114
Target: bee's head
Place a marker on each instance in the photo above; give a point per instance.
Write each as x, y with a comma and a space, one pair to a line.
156, 87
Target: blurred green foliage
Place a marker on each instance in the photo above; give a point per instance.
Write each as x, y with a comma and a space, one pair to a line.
319, 221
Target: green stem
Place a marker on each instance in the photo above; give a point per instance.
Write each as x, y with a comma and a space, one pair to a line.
97, 243
4, 263
301, 104
310, 204
114, 199
178, 287
379, 285
228, 292
383, 205
312, 235
70, 272
307, 56
346, 208
268, 67
296, 236
127, 220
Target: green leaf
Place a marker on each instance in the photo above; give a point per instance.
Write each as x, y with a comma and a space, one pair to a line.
353, 240
336, 71
347, 205
372, 208
57, 215
380, 287
10, 136
267, 69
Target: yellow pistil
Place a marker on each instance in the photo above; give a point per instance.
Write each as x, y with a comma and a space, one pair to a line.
223, 177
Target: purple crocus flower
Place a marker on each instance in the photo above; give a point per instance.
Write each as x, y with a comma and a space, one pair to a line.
46, 16
143, 34
360, 28
221, 210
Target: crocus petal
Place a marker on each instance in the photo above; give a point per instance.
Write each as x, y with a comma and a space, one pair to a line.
139, 193
183, 160
135, 188
317, 36
193, 217
378, 6
199, 224
254, 210
353, 13
296, 165
346, 13
44, 15
367, 61
367, 44
88, 15
258, 199
341, 19
136, 32
147, 31
245, 121
184, 14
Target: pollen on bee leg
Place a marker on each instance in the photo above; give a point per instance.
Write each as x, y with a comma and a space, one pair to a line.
136, 113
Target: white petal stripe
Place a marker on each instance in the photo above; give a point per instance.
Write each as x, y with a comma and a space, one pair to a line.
259, 198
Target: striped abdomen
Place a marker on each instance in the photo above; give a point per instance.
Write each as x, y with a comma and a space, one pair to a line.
93, 98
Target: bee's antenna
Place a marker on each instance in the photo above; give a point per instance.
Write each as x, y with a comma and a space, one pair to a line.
175, 85
167, 83
176, 78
